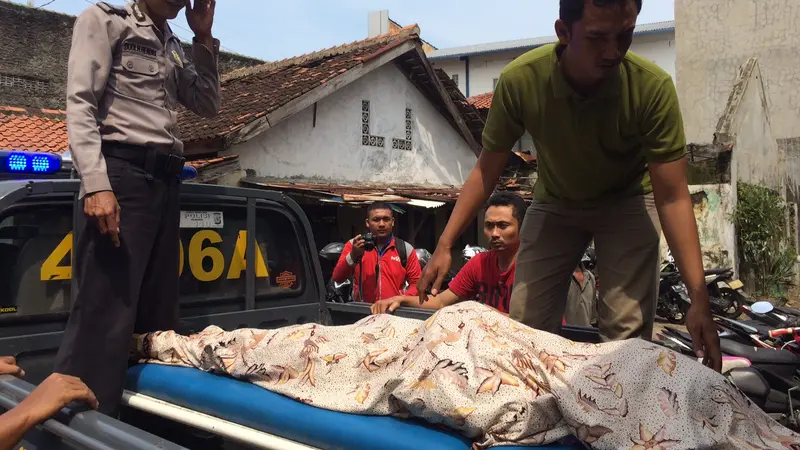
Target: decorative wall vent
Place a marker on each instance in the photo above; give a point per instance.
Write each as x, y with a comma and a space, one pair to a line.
29, 85
367, 138
404, 144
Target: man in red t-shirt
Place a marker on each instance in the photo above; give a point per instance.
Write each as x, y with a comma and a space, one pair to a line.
487, 277
379, 273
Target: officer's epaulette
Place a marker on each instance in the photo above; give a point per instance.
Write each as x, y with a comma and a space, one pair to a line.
110, 9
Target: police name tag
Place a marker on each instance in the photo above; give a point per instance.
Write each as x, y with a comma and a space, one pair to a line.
201, 219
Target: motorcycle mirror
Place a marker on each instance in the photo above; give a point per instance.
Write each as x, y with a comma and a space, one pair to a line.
761, 307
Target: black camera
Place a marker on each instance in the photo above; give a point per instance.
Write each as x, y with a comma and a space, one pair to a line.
369, 241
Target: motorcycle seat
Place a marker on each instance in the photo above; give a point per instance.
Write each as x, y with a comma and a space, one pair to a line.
752, 383
718, 271
756, 355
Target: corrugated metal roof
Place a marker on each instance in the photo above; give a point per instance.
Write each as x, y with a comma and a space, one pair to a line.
530, 43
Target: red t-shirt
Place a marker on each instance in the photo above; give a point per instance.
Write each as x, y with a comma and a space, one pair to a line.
480, 279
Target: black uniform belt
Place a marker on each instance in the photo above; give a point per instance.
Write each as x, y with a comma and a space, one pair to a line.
153, 162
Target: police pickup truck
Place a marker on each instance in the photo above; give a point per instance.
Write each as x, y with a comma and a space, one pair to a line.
247, 260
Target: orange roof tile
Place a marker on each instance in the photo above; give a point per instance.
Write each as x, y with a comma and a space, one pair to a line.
481, 101
33, 130
252, 92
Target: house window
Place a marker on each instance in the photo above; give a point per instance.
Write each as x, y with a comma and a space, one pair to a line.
29, 85
494, 83
455, 79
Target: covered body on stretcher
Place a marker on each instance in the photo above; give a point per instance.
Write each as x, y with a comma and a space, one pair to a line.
241, 411
468, 367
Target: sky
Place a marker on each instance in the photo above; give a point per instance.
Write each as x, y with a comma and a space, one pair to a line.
273, 29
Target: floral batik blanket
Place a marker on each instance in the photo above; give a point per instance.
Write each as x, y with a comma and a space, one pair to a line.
495, 380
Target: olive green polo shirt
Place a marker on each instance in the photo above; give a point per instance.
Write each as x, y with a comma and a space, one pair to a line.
593, 148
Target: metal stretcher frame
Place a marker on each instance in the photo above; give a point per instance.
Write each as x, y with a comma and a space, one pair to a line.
211, 424
77, 427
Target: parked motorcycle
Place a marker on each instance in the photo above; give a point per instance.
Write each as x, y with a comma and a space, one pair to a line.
470, 251
673, 298
765, 312
768, 376
724, 292
336, 292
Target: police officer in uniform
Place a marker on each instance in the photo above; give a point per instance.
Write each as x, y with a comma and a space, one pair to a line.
127, 74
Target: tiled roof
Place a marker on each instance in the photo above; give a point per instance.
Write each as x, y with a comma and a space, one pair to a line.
41, 130
45, 130
251, 93
481, 101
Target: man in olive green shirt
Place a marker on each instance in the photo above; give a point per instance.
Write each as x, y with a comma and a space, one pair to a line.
612, 159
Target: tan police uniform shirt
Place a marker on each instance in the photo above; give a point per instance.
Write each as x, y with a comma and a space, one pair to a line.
125, 80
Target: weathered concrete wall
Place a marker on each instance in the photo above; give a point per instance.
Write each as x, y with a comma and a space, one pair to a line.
746, 123
713, 207
329, 145
34, 48
715, 37
791, 149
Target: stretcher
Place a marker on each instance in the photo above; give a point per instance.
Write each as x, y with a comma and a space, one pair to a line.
249, 414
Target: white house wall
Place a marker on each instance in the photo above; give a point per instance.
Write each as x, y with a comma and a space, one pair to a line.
658, 48
454, 67
332, 148
483, 69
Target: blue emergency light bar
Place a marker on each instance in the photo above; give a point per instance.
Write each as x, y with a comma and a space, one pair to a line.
16, 162
188, 172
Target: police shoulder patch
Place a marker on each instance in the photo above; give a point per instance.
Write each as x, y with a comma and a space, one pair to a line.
111, 9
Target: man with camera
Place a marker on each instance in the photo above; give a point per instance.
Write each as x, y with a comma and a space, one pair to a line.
381, 265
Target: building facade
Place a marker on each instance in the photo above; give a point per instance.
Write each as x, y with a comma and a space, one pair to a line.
476, 68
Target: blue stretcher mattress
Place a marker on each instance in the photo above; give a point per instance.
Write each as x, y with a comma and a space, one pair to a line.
249, 405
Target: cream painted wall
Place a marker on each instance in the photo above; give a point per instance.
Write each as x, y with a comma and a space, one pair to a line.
331, 148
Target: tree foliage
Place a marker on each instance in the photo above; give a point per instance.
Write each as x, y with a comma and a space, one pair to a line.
766, 256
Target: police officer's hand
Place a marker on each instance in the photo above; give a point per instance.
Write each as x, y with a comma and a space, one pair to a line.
103, 208
55, 392
200, 17
8, 366
358, 248
433, 275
